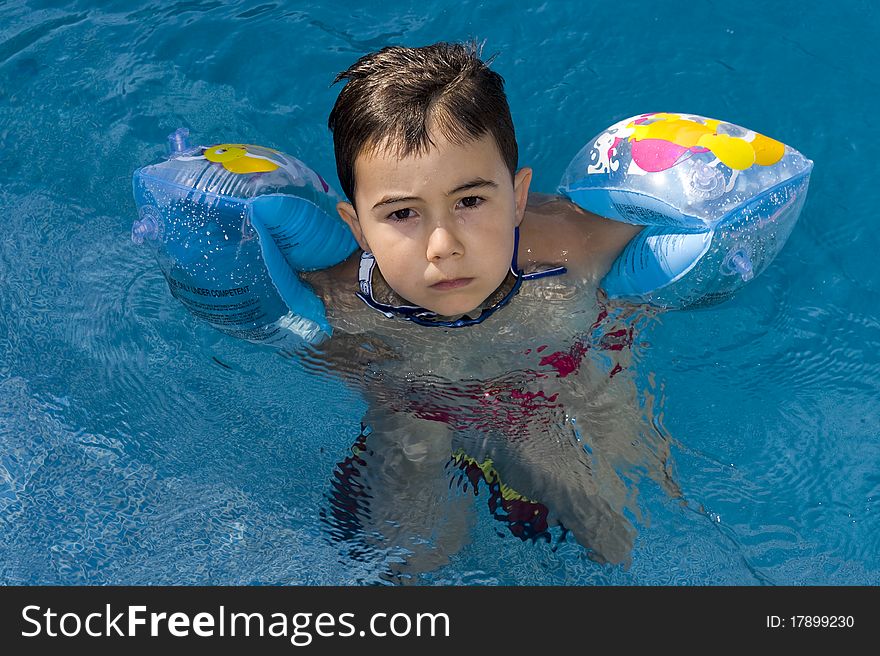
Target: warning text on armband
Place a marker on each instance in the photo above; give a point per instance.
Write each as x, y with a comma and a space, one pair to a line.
201, 291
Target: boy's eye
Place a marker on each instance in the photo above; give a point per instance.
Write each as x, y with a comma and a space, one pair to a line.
472, 201
400, 215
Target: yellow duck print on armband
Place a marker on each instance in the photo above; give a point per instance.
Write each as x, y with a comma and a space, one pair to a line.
235, 158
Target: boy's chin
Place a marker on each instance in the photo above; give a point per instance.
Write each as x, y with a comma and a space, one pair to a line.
454, 310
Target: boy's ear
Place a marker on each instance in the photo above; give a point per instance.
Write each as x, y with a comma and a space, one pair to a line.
349, 215
521, 182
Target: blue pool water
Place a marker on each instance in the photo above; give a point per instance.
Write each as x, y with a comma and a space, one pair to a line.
140, 446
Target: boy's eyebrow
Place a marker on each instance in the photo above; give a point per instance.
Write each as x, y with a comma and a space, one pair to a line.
471, 184
476, 182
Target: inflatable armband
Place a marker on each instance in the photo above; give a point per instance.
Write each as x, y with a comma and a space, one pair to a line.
231, 225
719, 202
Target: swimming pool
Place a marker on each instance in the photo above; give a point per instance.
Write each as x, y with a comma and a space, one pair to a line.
140, 446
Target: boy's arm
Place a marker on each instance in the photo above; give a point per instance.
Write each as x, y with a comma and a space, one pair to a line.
336, 287
556, 231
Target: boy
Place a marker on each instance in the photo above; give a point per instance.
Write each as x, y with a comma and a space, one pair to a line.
472, 300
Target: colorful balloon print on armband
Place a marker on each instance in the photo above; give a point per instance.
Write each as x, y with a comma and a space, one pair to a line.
718, 201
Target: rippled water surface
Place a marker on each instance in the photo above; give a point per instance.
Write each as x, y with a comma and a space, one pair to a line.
735, 445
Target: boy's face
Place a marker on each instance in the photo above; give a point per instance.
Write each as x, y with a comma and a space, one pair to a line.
440, 225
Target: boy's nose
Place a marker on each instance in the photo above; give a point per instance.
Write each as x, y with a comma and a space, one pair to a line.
442, 244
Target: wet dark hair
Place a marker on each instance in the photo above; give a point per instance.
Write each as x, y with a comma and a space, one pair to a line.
394, 95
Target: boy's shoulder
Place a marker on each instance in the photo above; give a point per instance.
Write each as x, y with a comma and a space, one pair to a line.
555, 231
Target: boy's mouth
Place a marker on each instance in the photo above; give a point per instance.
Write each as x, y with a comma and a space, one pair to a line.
454, 283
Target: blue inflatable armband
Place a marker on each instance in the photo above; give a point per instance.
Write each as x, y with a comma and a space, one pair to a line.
719, 202
231, 225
